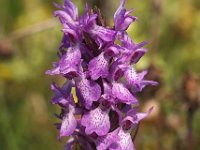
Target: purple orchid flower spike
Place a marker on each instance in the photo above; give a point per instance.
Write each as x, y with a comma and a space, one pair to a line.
99, 107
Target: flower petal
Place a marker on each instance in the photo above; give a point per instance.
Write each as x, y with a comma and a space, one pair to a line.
55, 70
136, 80
123, 94
65, 43
137, 55
104, 142
117, 70
69, 144
134, 117
63, 95
98, 67
99, 33
70, 62
103, 33
96, 121
121, 18
71, 9
124, 141
131, 75
116, 140
107, 88
125, 40
87, 92
65, 18
68, 125
112, 50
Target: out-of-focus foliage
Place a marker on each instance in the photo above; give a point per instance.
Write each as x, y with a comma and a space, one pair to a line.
30, 36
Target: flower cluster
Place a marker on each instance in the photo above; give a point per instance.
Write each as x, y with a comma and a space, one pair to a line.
99, 108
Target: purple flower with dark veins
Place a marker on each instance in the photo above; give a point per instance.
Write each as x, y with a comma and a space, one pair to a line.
99, 107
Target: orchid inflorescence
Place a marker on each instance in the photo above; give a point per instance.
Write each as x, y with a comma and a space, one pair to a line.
99, 108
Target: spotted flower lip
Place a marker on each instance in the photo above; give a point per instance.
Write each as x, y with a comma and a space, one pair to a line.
97, 121
98, 102
116, 140
107, 141
99, 66
87, 92
124, 141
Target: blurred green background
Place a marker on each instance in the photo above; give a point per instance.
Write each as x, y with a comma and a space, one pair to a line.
30, 37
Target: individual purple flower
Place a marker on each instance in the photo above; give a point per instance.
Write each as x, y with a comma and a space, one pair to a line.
87, 92
68, 16
136, 80
69, 63
99, 33
98, 67
123, 94
96, 121
69, 122
131, 52
122, 19
133, 118
63, 95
